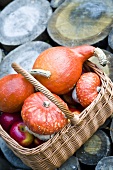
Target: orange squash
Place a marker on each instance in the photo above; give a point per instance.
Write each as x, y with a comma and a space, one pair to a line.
65, 66
87, 88
14, 89
41, 116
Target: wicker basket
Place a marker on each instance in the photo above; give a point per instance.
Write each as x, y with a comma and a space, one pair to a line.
53, 153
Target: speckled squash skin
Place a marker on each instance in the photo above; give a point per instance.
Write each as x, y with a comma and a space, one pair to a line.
65, 65
87, 88
41, 115
14, 89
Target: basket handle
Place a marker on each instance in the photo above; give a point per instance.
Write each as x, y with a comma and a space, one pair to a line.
39, 87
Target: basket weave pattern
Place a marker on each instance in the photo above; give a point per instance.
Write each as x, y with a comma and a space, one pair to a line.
53, 153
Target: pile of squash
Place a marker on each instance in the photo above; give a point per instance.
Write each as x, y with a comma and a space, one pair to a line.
60, 69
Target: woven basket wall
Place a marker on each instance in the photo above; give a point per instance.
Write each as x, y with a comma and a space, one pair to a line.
53, 153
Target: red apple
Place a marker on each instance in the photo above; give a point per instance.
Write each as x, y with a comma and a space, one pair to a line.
19, 133
7, 119
37, 141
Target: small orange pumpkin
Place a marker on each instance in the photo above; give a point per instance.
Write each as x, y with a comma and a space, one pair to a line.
87, 88
41, 116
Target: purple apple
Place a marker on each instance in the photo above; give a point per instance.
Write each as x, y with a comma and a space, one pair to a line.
7, 119
19, 133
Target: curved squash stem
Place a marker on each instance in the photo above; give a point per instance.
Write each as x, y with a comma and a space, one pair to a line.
101, 56
40, 72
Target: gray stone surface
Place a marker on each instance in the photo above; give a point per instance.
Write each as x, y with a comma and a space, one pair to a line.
23, 55
11, 157
2, 55
77, 22
71, 164
105, 163
5, 165
23, 21
56, 3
